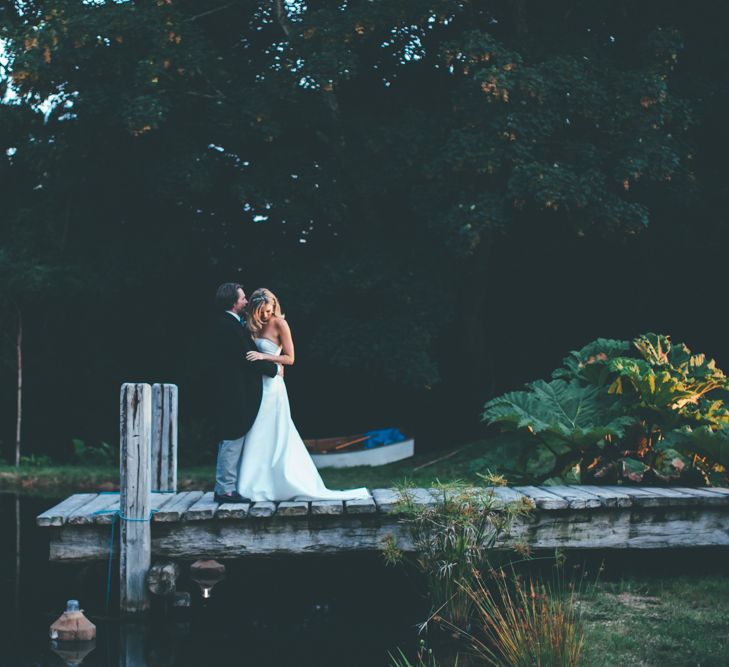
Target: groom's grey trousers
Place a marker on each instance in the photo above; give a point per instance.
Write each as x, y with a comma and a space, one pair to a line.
226, 470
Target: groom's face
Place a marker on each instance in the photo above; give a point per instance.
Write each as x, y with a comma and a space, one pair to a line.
240, 305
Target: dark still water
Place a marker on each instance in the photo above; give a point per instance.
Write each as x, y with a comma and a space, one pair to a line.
266, 612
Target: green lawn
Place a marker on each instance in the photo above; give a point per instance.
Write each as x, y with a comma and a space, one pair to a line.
662, 621
70, 478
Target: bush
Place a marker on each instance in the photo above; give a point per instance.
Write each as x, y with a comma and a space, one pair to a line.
522, 622
646, 412
102, 454
452, 541
34, 461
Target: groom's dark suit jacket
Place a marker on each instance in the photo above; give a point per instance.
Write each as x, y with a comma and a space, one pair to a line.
236, 384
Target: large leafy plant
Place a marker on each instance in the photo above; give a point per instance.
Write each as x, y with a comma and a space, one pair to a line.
649, 411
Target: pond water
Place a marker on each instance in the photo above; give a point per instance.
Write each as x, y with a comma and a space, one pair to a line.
267, 611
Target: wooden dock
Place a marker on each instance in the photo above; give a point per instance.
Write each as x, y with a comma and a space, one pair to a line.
149, 519
192, 525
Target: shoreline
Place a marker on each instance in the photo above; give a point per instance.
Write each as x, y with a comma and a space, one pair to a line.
52, 480
449, 465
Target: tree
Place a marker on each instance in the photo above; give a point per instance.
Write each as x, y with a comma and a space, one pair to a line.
380, 155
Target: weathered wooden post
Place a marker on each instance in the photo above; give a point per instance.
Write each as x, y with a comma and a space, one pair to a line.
164, 437
135, 502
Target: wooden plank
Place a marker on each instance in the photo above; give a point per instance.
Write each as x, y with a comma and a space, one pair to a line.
135, 500
439, 495
360, 506
392, 501
232, 511
202, 509
641, 496
609, 498
86, 513
57, 515
326, 507
420, 497
674, 496
664, 527
176, 506
262, 509
542, 498
611, 528
292, 508
164, 437
577, 498
705, 497
106, 516
503, 496
387, 500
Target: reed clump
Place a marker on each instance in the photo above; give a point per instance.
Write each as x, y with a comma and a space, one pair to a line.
522, 621
452, 539
498, 616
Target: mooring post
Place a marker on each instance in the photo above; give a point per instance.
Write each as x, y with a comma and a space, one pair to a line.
135, 502
164, 437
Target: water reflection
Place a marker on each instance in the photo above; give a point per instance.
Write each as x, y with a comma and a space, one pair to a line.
267, 612
17, 552
72, 653
207, 573
132, 645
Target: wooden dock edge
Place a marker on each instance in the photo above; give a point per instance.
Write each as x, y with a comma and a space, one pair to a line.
642, 519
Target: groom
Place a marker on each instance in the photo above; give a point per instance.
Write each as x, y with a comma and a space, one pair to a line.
236, 388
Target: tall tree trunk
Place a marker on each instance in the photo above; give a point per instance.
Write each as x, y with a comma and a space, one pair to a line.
19, 419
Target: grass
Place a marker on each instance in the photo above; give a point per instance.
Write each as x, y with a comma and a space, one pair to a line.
647, 621
76, 478
664, 621
456, 467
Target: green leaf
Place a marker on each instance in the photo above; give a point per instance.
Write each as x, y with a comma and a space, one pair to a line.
702, 441
669, 464
590, 363
632, 469
578, 415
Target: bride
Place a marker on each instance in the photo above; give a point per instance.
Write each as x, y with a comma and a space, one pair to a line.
275, 464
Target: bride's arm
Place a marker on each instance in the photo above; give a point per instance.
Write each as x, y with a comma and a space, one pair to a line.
287, 356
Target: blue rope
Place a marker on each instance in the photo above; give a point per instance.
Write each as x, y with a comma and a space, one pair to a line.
114, 515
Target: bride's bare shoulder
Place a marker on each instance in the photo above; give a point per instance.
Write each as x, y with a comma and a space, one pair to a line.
281, 324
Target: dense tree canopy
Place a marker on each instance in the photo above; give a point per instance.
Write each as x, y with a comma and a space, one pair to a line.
433, 187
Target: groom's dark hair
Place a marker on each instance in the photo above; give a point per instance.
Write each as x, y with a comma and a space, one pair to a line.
227, 295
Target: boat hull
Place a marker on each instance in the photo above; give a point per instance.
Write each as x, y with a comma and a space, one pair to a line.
377, 456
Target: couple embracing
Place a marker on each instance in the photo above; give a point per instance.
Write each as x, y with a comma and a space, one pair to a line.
261, 455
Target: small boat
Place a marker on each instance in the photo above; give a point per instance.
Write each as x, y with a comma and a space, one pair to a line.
374, 448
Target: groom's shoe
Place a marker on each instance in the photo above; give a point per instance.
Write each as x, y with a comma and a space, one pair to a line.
233, 497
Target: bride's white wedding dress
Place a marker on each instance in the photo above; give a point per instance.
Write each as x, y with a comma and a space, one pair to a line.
276, 464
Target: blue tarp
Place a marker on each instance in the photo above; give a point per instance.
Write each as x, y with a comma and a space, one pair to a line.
384, 436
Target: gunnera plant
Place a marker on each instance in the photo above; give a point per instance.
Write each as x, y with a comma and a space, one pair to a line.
646, 411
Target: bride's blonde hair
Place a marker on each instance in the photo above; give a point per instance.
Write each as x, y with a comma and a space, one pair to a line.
261, 298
